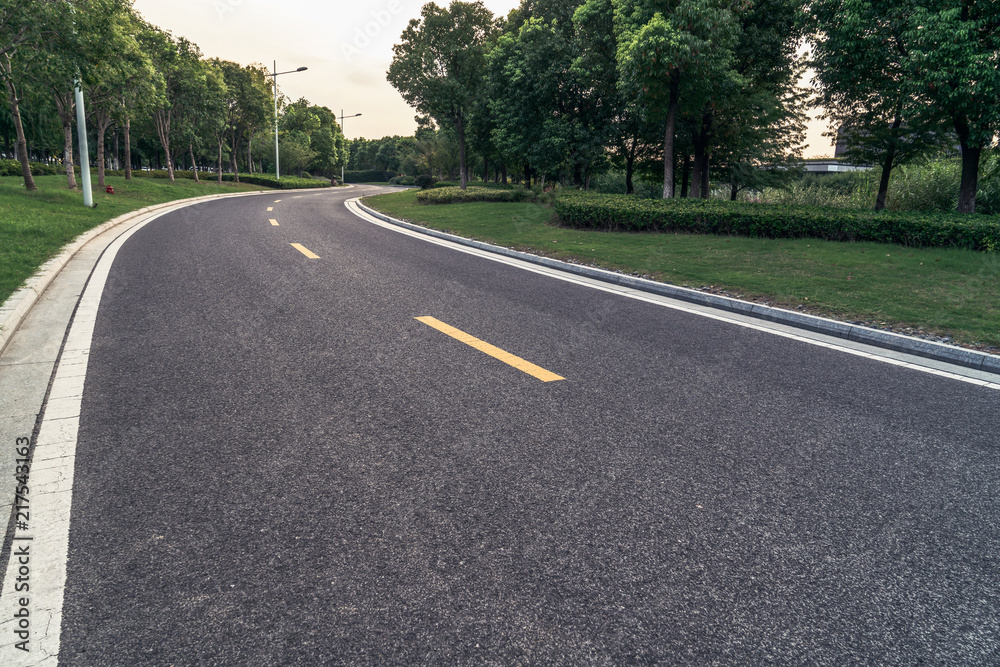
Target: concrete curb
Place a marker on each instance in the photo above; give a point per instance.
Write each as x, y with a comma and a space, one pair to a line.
16, 307
891, 341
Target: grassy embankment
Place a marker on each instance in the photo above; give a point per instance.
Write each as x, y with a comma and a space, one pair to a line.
34, 226
940, 292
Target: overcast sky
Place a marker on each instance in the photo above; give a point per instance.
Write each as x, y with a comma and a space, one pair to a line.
347, 47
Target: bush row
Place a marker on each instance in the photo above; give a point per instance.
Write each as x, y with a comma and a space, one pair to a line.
700, 216
451, 195
13, 168
370, 176
284, 183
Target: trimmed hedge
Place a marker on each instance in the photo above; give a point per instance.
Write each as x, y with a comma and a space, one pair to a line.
284, 183
13, 168
371, 176
701, 216
452, 195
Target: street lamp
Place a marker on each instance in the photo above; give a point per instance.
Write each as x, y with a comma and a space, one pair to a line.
342, 117
274, 79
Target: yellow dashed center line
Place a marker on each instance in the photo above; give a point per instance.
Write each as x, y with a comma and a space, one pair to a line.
270, 208
274, 222
276, 201
305, 251
495, 352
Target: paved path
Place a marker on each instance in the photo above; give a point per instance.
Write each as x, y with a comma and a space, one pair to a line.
277, 462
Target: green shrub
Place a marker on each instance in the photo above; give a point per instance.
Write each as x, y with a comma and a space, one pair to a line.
929, 186
13, 168
613, 183
424, 181
284, 183
700, 216
371, 176
401, 180
451, 195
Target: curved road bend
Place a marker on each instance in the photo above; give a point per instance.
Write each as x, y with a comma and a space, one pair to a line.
277, 463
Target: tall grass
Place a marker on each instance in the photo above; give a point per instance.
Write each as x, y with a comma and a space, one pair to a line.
929, 186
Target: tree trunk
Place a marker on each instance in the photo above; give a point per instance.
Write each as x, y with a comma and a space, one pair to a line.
65, 106
733, 190
235, 151
102, 121
68, 156
194, 165
970, 169
503, 172
702, 140
668, 136
887, 163
463, 173
249, 156
128, 149
630, 155
527, 176
706, 192
883, 184
218, 172
162, 122
686, 176
22, 143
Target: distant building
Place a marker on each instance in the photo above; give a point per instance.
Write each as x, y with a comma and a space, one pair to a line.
831, 166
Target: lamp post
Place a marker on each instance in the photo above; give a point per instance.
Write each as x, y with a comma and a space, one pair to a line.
274, 79
342, 117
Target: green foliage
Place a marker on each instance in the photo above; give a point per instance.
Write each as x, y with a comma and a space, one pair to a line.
438, 65
402, 180
424, 181
284, 183
944, 291
13, 168
700, 216
928, 186
452, 195
613, 183
370, 176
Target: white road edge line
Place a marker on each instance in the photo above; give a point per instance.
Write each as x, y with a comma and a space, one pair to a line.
664, 301
50, 484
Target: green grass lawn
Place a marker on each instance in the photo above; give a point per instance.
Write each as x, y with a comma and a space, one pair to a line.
946, 292
34, 226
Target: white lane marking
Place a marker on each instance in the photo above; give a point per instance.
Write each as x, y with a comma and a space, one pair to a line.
664, 301
45, 542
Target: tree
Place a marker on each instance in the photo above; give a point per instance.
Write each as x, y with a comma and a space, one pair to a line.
248, 105
327, 142
860, 53
547, 112
24, 24
630, 137
953, 67
668, 51
110, 81
177, 62
438, 67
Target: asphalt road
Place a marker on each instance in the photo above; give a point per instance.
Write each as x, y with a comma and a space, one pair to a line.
278, 464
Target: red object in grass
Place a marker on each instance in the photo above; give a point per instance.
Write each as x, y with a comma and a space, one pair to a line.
110, 190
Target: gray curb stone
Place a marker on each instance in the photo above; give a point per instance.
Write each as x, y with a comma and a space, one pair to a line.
891, 341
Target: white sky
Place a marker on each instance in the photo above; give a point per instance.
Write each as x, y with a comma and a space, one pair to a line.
347, 47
